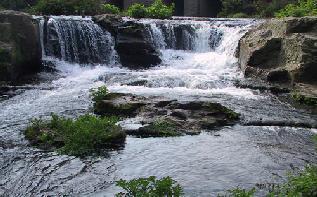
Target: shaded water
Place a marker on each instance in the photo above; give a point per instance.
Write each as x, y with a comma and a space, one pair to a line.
204, 165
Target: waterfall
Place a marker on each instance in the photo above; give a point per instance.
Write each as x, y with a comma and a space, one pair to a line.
198, 36
76, 39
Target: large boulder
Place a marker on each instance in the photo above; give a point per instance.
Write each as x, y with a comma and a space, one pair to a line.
281, 50
133, 43
20, 49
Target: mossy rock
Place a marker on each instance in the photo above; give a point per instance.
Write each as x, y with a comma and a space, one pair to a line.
304, 99
159, 128
110, 108
86, 135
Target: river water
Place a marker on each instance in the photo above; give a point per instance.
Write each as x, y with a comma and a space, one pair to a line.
198, 64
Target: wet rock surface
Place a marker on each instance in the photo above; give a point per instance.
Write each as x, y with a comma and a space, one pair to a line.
161, 117
20, 51
133, 43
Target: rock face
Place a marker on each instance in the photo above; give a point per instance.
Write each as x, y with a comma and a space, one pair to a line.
163, 118
20, 50
281, 50
133, 44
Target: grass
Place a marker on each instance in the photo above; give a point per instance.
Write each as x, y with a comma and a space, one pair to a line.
159, 128
149, 187
99, 93
83, 136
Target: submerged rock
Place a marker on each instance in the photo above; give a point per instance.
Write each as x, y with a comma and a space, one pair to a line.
162, 118
20, 50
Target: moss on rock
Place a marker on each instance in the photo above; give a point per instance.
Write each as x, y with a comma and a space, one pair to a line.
159, 128
304, 99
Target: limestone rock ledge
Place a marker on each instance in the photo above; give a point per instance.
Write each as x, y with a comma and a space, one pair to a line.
20, 49
281, 51
133, 43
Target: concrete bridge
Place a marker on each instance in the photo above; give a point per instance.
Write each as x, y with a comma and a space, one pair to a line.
201, 8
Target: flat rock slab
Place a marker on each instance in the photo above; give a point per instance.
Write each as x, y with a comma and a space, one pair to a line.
163, 118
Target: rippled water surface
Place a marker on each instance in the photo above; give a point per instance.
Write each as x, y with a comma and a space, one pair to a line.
204, 165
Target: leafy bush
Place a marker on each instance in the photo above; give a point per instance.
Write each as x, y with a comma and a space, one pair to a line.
150, 187
303, 184
99, 94
137, 11
69, 7
157, 10
86, 135
303, 8
110, 9
240, 15
255, 8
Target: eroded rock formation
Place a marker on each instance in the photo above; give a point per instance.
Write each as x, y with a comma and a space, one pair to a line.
20, 50
133, 43
281, 51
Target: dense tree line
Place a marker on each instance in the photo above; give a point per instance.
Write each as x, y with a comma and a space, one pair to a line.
230, 8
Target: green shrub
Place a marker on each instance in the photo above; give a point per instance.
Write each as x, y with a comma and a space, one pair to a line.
68, 7
303, 8
304, 184
88, 134
150, 187
99, 94
159, 10
137, 11
229, 7
110, 9
240, 15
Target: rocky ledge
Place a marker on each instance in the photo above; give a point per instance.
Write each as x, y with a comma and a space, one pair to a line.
20, 50
163, 118
133, 43
283, 51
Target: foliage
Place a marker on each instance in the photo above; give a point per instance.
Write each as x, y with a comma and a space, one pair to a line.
240, 15
150, 187
255, 8
15, 5
69, 7
157, 10
137, 11
230, 7
306, 100
303, 184
238, 192
99, 94
86, 135
110, 9
303, 8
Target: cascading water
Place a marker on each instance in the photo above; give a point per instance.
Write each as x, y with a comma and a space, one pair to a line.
198, 64
76, 39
